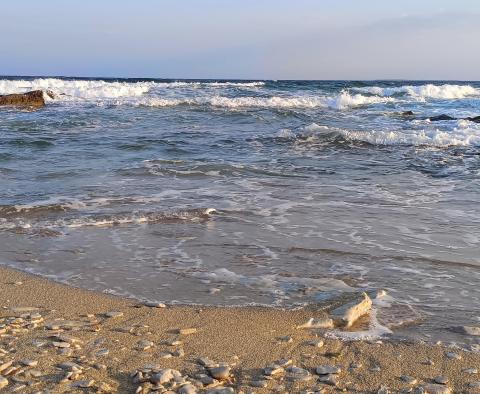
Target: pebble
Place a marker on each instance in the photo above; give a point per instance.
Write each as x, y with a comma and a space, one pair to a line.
262, 383
408, 379
3, 382
440, 379
113, 314
102, 352
61, 344
286, 339
143, 345
5, 365
474, 385
330, 379
154, 304
452, 355
375, 369
165, 376
471, 371
355, 365
327, 369
84, 383
186, 331
316, 343
29, 363
383, 390
220, 373
187, 389
298, 374
436, 389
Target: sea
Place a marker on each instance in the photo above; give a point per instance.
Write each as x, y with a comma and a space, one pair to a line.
235, 192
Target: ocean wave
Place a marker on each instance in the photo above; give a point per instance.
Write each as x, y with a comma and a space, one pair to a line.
68, 90
445, 91
465, 134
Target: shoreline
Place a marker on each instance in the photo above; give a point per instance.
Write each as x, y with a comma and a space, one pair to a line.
109, 339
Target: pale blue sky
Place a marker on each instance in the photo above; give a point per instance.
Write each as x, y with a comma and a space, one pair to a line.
258, 39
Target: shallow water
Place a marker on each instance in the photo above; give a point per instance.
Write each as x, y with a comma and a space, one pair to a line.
318, 188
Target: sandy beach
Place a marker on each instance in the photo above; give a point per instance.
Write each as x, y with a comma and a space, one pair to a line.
56, 339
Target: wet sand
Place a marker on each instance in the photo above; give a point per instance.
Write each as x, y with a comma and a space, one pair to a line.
108, 339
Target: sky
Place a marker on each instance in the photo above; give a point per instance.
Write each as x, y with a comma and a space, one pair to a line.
242, 39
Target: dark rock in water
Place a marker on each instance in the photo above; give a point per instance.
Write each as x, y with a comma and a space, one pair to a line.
441, 117
475, 119
407, 113
29, 99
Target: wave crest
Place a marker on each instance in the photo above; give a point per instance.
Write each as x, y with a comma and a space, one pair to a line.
445, 91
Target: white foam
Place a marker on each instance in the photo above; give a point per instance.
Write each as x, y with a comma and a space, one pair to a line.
445, 91
465, 134
346, 100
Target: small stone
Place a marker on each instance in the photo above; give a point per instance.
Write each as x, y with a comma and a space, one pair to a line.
3, 382
220, 373
143, 345
327, 370
165, 355
317, 323
471, 371
453, 356
29, 363
317, 343
61, 344
206, 362
376, 368
114, 314
69, 366
330, 379
383, 390
5, 365
286, 339
104, 388
436, 389
164, 376
174, 343
261, 383
474, 385
355, 365
102, 352
154, 304
298, 374
408, 379
428, 362
440, 379
273, 370
187, 389
179, 353
84, 383
186, 331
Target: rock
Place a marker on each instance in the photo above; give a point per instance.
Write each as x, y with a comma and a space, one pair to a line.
349, 313
114, 314
330, 379
261, 383
84, 383
70, 366
3, 382
408, 379
273, 370
102, 352
164, 376
355, 365
187, 389
471, 371
317, 323
61, 344
467, 330
186, 331
220, 373
436, 389
327, 370
475, 119
453, 356
29, 363
407, 113
143, 345
441, 117
440, 379
298, 374
474, 385
30, 99
154, 304
206, 362
5, 365
286, 339
383, 390
316, 343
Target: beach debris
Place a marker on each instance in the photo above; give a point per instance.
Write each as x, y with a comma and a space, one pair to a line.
317, 323
348, 314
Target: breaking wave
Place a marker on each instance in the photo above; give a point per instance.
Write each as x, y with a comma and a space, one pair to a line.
446, 91
465, 134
